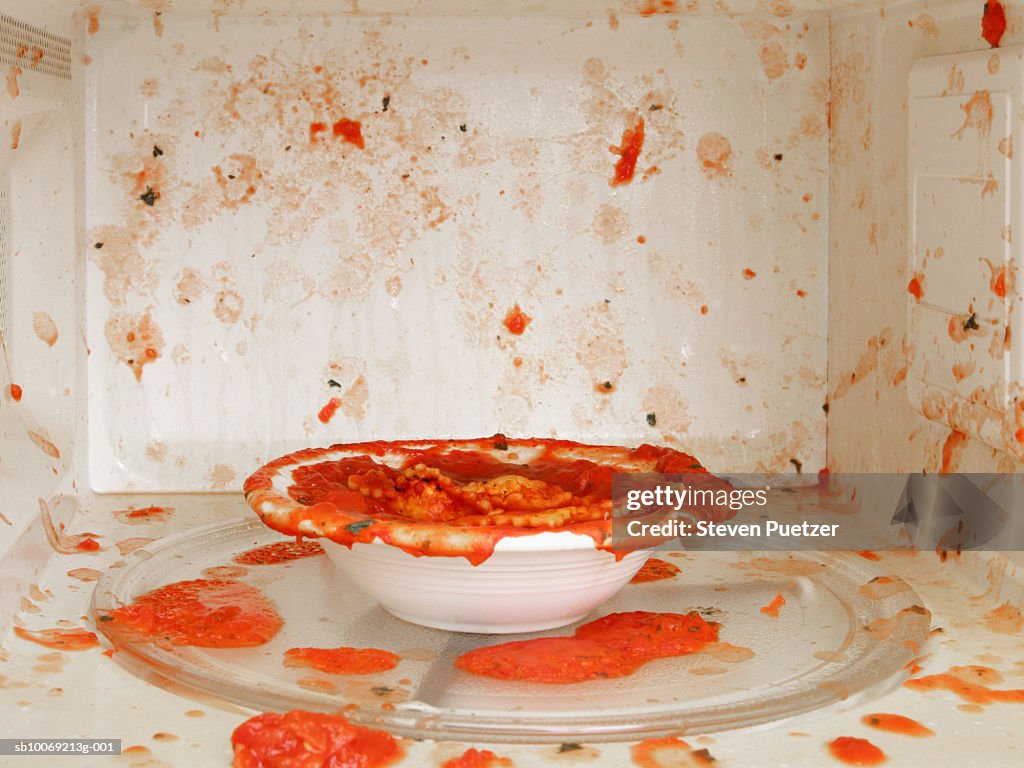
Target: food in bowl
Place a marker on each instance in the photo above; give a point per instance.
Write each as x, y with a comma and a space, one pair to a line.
481, 535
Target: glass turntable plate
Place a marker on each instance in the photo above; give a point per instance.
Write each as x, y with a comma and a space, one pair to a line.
842, 636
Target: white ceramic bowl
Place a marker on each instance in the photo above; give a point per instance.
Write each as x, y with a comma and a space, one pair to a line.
530, 583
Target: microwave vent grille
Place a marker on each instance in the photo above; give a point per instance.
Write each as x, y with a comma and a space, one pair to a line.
34, 49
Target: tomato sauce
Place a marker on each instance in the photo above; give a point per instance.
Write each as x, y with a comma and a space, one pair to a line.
60, 639
342, 661
896, 724
15, 392
772, 609
279, 552
958, 681
208, 613
300, 739
88, 544
516, 321
915, 289
993, 22
327, 412
852, 751
350, 131
628, 152
143, 514
655, 569
615, 645
477, 758
443, 500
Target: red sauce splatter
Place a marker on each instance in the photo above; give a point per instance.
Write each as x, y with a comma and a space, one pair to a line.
641, 239
88, 545
208, 613
477, 758
952, 450
350, 131
516, 320
704, 309
85, 574
915, 289
973, 692
651, 7
853, 751
61, 639
867, 554
15, 391
328, 411
92, 13
749, 274
896, 724
993, 23
615, 645
135, 516
517, 362
279, 552
440, 500
628, 152
1019, 435
315, 129
655, 570
772, 609
300, 739
800, 292
342, 661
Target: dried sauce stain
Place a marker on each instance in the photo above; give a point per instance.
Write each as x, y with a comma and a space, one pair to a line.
977, 115
925, 22
881, 587
16, 134
668, 752
15, 392
44, 327
477, 758
342, 661
772, 609
915, 287
134, 339
221, 476
85, 574
787, 566
239, 182
92, 17
1005, 146
853, 751
42, 442
896, 724
311, 738
600, 346
610, 224
224, 572
279, 552
115, 250
866, 364
773, 60
13, 89
127, 546
714, 154
207, 613
655, 569
317, 684
1005, 619
970, 683
61, 639
629, 152
141, 515
993, 22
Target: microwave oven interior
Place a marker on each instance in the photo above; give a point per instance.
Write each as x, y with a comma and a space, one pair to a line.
231, 229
